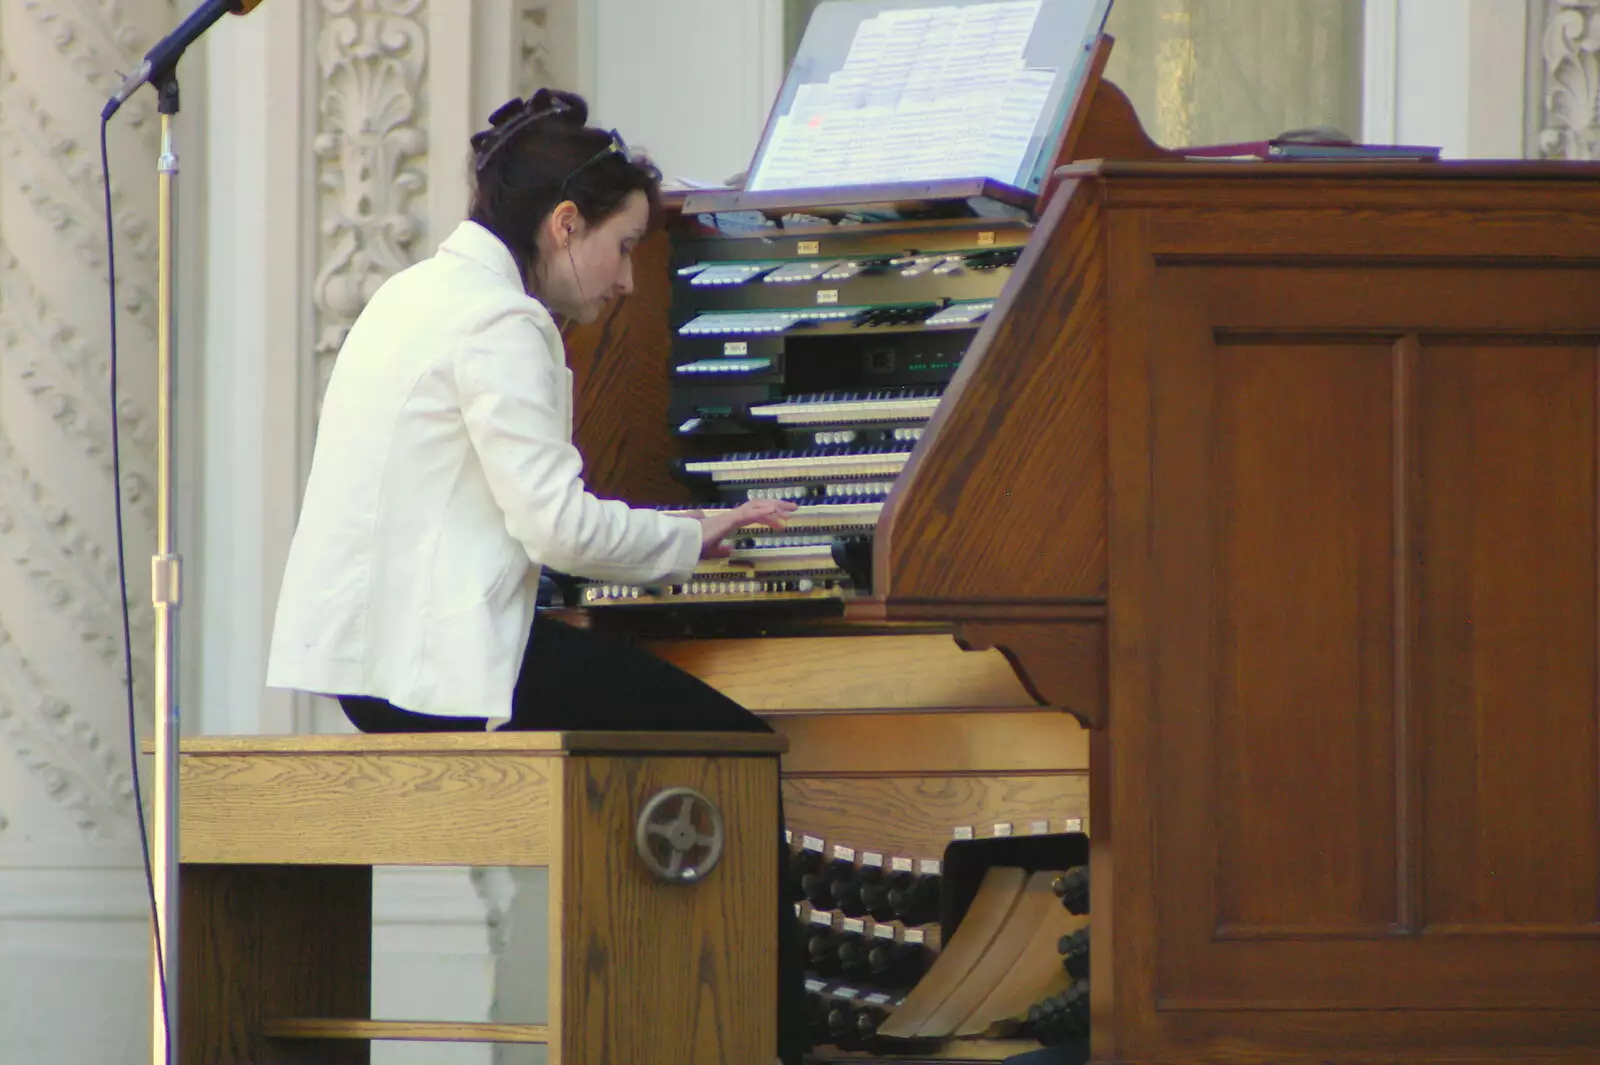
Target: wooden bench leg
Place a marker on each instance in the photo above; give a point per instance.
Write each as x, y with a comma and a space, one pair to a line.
651, 973
261, 942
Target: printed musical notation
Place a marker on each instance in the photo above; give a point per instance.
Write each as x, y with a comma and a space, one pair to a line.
924, 94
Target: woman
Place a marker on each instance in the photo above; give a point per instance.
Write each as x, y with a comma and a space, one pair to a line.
444, 477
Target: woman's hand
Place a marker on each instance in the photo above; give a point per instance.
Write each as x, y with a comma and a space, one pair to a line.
773, 513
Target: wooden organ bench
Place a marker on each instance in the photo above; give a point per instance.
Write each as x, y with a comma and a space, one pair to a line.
650, 964
1256, 518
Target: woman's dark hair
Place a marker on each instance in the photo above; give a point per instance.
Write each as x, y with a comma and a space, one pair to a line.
541, 152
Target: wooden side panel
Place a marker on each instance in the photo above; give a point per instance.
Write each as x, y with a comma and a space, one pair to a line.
1355, 729
1004, 499
917, 816
1302, 737
352, 809
260, 943
953, 743
653, 973
409, 1031
619, 367
848, 672
1504, 681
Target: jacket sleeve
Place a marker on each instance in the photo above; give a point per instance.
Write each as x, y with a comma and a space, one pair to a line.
507, 383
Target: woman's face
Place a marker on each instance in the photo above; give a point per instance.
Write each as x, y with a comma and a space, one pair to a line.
585, 267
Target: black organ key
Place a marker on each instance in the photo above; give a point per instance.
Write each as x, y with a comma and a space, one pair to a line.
1073, 889
894, 964
877, 898
868, 1019
1061, 1017
822, 951
850, 893
808, 859
843, 1016
817, 1009
1074, 951
890, 316
854, 954
819, 886
916, 903
832, 953
841, 1022
847, 894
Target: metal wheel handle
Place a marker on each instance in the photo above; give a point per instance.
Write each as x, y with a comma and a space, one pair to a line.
670, 842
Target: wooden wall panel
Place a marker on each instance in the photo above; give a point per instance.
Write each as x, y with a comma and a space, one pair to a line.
1302, 492
1504, 673
1374, 650
620, 380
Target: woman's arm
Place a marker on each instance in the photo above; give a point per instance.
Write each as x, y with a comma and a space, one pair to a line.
507, 384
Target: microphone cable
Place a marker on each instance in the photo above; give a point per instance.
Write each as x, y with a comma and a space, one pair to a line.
122, 583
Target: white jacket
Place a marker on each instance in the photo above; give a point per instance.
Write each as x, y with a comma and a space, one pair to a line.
444, 476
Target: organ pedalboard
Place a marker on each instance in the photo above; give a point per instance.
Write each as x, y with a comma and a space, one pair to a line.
883, 978
807, 369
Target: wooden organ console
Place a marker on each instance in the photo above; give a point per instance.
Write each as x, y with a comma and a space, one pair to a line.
1225, 532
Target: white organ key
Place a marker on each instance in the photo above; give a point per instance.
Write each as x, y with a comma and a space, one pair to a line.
962, 313
724, 274
734, 323
793, 273
830, 515
823, 411
849, 465
811, 557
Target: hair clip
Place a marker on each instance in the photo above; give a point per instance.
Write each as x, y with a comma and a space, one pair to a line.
615, 145
509, 119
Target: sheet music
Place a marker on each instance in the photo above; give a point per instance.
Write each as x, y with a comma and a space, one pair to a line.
923, 94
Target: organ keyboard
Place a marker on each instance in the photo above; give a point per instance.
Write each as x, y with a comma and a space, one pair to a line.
824, 465
1236, 407
840, 408
808, 369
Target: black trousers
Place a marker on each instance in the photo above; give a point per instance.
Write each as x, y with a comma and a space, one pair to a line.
572, 679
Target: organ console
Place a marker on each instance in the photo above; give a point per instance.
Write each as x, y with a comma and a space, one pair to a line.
1246, 507
807, 369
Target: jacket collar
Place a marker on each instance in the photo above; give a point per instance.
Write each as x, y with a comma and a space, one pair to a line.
476, 244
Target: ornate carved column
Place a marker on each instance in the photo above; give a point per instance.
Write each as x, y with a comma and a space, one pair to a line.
1567, 78
549, 44
68, 839
371, 145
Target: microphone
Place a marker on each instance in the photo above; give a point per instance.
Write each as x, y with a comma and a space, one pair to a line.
164, 56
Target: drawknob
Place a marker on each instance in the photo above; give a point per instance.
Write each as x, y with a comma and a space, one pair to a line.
679, 835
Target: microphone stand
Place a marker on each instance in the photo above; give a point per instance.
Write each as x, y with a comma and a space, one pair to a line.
159, 70
166, 594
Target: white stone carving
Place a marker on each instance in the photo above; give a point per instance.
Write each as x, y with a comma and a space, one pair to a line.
370, 145
69, 194
56, 535
75, 576
1569, 125
84, 768
549, 44
68, 376
96, 49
